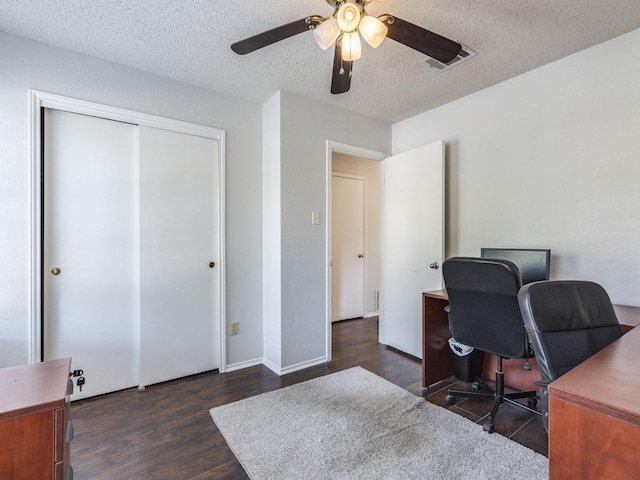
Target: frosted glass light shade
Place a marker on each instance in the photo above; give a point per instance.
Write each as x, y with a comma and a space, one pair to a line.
372, 30
348, 17
326, 33
351, 48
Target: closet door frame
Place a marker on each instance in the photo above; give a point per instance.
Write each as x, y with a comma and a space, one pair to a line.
40, 100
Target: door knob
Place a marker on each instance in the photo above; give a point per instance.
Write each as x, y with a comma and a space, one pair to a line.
55, 271
212, 264
361, 255
434, 265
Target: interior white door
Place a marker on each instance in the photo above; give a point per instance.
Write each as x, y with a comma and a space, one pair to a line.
347, 247
91, 304
413, 242
180, 273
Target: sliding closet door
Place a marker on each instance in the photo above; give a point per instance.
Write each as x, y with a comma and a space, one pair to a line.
179, 247
90, 261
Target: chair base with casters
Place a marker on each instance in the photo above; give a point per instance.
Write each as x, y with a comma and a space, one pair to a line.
482, 390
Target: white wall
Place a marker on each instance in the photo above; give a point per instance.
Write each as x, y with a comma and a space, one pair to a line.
370, 169
271, 240
305, 127
548, 159
26, 64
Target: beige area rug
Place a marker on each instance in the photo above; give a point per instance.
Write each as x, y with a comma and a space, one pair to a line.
356, 425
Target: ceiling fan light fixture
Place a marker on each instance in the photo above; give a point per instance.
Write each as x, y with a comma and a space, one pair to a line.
326, 33
351, 47
372, 30
348, 17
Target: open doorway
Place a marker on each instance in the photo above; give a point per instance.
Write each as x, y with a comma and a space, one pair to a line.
412, 246
355, 237
356, 166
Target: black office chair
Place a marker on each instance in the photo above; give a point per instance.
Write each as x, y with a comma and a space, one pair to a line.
484, 314
567, 322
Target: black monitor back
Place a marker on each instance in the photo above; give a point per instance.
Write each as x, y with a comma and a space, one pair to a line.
533, 263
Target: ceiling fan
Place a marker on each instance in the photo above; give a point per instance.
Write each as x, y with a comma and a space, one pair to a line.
344, 26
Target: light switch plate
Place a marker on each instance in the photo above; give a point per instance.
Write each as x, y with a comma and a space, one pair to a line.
315, 218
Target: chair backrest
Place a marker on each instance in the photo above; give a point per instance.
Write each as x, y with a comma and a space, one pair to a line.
483, 302
567, 322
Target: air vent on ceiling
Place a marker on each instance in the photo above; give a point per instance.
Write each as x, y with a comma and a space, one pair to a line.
465, 54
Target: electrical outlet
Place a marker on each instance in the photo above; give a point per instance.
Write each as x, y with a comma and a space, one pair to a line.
235, 328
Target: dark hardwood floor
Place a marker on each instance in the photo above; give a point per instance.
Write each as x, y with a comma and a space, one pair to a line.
165, 432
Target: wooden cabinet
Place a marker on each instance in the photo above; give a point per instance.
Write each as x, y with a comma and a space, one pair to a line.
35, 428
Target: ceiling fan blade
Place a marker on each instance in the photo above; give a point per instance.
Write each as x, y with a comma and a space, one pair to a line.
431, 44
274, 35
340, 82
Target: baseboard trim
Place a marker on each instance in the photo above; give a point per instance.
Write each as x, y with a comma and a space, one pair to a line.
372, 314
241, 365
294, 368
275, 368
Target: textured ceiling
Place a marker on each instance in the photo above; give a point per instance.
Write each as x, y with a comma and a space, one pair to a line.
188, 40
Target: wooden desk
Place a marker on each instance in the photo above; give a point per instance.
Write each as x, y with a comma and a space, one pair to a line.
594, 415
437, 359
34, 421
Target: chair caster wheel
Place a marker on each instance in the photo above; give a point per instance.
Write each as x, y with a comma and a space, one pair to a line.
488, 427
532, 402
449, 400
475, 386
